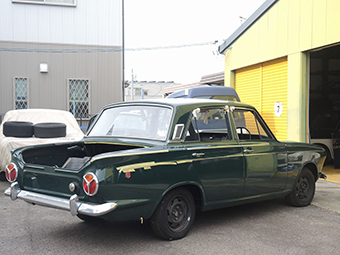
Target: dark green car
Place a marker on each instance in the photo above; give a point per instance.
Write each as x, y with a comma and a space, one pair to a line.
163, 160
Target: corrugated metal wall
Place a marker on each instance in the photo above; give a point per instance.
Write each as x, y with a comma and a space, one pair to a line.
90, 22
42, 33
263, 85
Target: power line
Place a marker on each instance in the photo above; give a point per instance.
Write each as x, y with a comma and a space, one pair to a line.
106, 49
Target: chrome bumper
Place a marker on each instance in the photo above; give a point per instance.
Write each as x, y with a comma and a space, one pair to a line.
73, 205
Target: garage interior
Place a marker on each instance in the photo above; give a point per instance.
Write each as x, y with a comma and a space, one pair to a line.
324, 106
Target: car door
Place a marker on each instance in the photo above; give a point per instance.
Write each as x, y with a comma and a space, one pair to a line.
216, 157
265, 157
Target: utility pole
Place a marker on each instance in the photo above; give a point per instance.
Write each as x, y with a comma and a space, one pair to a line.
132, 84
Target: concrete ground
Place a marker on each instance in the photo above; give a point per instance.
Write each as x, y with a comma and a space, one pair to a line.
333, 175
327, 195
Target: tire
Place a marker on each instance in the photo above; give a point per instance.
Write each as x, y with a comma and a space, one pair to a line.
304, 189
18, 129
175, 215
49, 130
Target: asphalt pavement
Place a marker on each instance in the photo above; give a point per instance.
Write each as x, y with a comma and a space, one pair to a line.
270, 227
327, 195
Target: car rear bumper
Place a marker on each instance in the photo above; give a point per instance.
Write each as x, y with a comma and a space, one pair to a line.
73, 205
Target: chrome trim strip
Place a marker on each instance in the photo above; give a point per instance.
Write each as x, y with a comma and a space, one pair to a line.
115, 143
144, 165
95, 158
73, 205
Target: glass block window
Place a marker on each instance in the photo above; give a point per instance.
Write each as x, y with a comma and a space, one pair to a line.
78, 95
52, 2
20, 93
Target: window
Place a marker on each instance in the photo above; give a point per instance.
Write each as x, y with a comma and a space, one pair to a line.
138, 91
20, 93
49, 2
78, 93
249, 127
138, 121
208, 125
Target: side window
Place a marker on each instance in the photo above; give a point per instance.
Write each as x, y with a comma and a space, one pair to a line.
249, 127
208, 125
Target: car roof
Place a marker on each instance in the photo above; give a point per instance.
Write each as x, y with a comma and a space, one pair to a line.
178, 102
205, 91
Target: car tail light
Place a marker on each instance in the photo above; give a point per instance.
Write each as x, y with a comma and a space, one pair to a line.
11, 172
90, 184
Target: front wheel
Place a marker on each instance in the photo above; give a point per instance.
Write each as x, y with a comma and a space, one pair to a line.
304, 190
175, 215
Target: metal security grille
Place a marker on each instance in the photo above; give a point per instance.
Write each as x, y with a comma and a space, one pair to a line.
20, 93
79, 97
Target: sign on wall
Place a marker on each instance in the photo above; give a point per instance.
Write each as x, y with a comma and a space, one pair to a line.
278, 108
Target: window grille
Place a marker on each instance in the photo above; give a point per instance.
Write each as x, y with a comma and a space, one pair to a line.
20, 93
78, 91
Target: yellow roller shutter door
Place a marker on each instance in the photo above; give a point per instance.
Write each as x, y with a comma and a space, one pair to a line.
248, 85
265, 87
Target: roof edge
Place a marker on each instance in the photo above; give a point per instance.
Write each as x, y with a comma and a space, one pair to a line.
247, 24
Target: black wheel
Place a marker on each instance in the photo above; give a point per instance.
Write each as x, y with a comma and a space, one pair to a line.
49, 130
18, 129
175, 215
304, 190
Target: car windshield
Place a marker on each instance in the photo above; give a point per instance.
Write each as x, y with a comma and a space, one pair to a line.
138, 121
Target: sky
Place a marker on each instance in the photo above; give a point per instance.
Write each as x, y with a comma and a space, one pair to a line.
179, 23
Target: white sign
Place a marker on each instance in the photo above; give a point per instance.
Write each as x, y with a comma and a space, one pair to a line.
278, 109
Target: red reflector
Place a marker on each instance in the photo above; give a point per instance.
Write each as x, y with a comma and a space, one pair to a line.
90, 184
11, 172
93, 186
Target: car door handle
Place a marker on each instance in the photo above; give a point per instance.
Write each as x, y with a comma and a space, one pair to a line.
198, 155
248, 150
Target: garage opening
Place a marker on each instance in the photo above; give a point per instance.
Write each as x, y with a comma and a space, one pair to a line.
324, 105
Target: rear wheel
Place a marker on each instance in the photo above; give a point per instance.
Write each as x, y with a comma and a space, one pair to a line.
304, 190
175, 215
